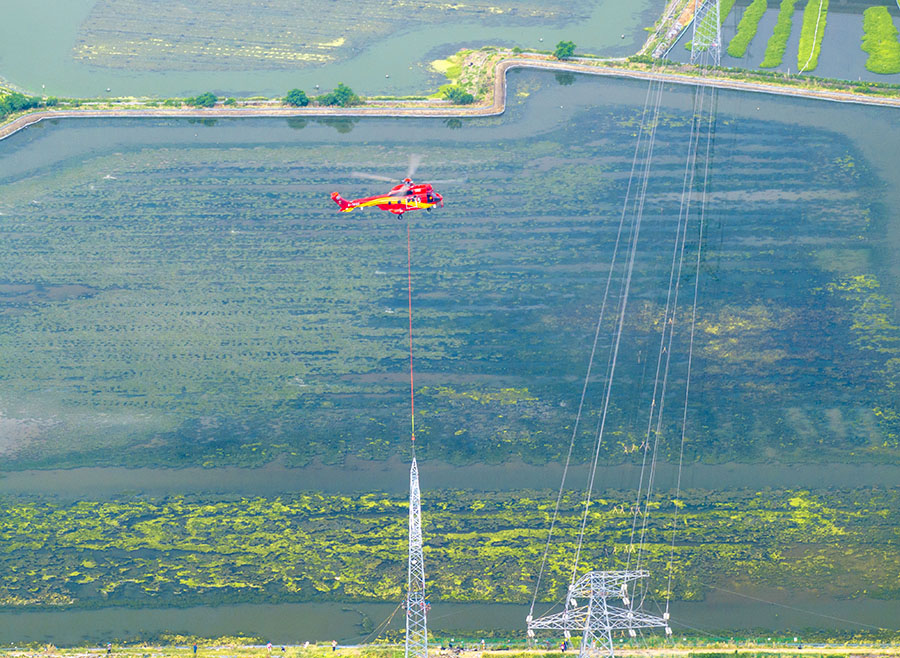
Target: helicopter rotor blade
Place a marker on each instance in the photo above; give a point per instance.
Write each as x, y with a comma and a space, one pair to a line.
362, 174
445, 181
414, 161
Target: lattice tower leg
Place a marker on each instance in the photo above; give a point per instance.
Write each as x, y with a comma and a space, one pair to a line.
416, 605
597, 639
706, 47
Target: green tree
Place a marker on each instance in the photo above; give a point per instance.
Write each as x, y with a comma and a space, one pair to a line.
342, 95
297, 98
457, 94
16, 102
206, 99
564, 50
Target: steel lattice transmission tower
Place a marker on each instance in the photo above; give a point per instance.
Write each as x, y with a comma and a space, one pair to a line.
706, 47
595, 619
416, 606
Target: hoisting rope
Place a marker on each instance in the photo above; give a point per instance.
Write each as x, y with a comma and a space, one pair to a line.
587, 376
412, 393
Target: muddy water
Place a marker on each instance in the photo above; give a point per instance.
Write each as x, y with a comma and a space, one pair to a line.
389, 477
722, 613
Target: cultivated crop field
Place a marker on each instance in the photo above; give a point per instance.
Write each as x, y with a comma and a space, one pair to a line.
171, 303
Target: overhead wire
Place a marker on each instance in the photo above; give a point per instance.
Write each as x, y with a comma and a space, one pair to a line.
657, 405
687, 385
629, 270
597, 329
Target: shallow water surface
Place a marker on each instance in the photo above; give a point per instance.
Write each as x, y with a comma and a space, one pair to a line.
37, 51
183, 294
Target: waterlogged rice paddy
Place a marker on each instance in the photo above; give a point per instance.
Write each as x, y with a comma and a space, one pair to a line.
185, 294
241, 48
170, 35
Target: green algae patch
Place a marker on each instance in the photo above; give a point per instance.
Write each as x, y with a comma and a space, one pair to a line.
777, 43
747, 28
811, 35
450, 66
481, 546
880, 41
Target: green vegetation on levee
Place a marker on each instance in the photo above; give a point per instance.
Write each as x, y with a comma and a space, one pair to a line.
811, 34
777, 43
297, 98
564, 50
206, 99
457, 94
342, 95
747, 28
179, 551
880, 41
15, 102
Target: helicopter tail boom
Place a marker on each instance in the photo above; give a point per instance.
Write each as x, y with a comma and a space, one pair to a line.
345, 205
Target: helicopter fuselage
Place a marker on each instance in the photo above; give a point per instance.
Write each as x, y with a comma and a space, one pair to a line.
401, 198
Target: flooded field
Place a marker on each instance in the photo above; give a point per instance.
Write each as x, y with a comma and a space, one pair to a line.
175, 48
181, 295
187, 294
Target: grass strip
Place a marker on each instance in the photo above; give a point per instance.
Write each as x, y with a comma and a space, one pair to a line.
738, 45
811, 35
778, 41
880, 41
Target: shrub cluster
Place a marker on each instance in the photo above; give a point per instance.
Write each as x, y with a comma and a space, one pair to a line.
341, 95
16, 102
457, 94
206, 99
297, 98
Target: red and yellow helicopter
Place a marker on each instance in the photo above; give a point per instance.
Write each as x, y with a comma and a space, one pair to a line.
401, 198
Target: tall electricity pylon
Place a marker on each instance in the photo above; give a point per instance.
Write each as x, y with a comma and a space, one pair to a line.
706, 48
595, 618
416, 606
